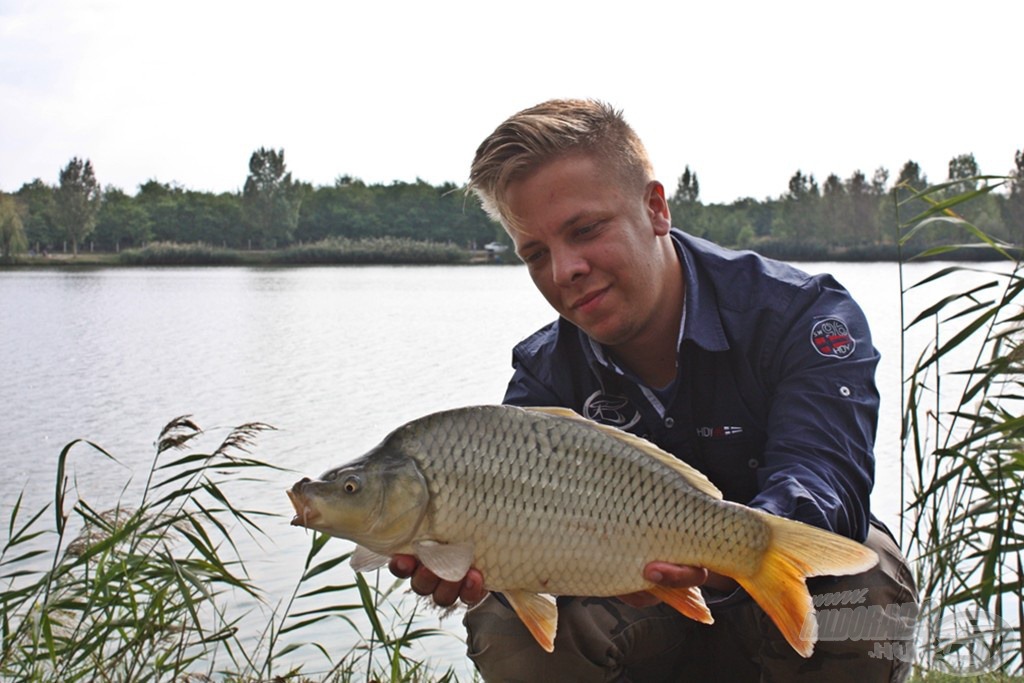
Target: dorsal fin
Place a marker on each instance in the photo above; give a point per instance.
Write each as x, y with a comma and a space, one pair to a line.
693, 476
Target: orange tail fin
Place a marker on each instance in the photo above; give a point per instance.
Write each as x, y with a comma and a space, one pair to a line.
797, 551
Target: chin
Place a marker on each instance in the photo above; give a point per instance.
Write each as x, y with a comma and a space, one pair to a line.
605, 335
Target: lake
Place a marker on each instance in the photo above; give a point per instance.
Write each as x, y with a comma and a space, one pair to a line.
334, 357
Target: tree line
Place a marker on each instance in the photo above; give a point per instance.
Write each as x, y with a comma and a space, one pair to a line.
857, 214
273, 210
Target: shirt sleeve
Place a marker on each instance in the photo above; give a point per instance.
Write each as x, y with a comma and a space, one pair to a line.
818, 460
525, 389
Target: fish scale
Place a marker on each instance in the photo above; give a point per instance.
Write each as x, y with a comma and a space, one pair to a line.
543, 502
546, 503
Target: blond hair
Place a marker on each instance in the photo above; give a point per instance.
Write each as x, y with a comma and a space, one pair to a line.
550, 130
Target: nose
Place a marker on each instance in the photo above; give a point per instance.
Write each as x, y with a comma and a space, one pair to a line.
297, 488
567, 266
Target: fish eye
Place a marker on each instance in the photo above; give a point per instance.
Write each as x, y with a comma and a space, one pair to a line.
352, 484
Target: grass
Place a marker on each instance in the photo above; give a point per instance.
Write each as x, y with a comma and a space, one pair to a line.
963, 434
150, 590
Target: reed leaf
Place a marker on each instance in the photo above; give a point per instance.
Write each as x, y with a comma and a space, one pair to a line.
963, 425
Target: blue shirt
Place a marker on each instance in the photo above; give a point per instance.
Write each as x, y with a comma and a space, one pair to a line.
774, 399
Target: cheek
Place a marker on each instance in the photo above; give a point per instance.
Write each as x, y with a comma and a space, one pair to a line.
546, 286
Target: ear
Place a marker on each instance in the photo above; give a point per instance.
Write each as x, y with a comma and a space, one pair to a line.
657, 208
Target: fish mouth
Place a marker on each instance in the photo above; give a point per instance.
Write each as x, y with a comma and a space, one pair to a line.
304, 512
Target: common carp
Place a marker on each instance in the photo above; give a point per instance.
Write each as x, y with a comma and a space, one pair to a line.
544, 502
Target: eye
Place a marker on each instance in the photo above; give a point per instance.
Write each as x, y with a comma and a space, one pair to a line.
588, 230
352, 484
536, 260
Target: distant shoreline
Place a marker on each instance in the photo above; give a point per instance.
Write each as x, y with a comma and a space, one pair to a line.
272, 258
237, 258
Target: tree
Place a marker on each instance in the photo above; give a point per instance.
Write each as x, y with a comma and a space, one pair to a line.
1013, 208
963, 167
122, 221
835, 210
160, 202
910, 181
12, 231
77, 201
880, 181
38, 199
886, 215
863, 207
270, 199
799, 216
688, 187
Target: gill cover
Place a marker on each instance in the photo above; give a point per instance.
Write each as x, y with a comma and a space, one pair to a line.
378, 501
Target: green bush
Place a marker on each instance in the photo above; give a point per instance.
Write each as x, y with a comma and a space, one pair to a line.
173, 254
376, 250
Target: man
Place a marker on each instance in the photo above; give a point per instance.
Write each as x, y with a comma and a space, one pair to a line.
759, 375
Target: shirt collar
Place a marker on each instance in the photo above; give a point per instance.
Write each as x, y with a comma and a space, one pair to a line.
701, 311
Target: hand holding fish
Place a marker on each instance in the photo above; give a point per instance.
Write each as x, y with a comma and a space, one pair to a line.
668, 575
425, 582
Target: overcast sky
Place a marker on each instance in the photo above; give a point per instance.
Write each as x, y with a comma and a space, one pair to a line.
745, 93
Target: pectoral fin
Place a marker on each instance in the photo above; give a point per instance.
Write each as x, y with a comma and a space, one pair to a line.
539, 613
449, 561
364, 560
688, 601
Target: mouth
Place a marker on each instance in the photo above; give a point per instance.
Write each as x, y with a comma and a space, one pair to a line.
304, 514
589, 300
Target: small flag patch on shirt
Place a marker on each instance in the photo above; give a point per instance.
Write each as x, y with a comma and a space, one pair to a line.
719, 432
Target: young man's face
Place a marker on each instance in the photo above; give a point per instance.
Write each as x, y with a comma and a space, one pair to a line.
592, 245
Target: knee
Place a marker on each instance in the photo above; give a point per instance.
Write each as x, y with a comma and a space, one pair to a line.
502, 649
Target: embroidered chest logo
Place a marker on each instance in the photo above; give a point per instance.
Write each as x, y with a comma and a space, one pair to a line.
719, 432
610, 410
831, 338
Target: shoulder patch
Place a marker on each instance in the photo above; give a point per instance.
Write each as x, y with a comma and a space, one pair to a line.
831, 338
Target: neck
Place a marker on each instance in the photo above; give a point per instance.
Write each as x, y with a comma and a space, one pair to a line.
656, 367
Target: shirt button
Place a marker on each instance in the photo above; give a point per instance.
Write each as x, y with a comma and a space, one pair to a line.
844, 392
752, 463
669, 422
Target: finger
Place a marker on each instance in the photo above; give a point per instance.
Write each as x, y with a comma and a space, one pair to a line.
446, 593
473, 590
424, 581
403, 566
675, 576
